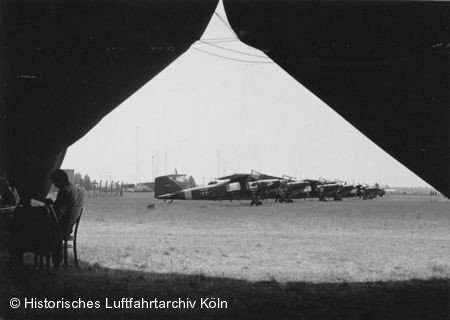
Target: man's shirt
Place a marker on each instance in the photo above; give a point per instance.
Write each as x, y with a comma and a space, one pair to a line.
68, 196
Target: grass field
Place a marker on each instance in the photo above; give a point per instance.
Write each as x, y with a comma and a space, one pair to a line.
388, 257
353, 240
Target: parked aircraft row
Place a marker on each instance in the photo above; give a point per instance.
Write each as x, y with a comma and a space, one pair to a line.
256, 187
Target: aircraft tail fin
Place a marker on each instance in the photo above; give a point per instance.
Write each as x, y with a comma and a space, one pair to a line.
164, 185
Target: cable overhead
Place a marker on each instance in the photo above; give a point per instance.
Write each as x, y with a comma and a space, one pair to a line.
228, 58
232, 50
225, 23
217, 41
221, 38
230, 28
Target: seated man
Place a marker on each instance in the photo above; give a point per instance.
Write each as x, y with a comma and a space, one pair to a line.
34, 229
69, 196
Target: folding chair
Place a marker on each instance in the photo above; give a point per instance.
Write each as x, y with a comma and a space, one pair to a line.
70, 241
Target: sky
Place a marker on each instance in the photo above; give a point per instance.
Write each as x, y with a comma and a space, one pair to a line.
222, 108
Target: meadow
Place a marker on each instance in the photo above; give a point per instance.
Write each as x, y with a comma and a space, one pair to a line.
383, 258
354, 240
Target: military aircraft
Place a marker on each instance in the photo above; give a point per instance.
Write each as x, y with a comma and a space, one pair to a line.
320, 188
291, 188
264, 186
344, 191
256, 186
253, 186
339, 189
370, 192
363, 191
281, 189
233, 187
166, 188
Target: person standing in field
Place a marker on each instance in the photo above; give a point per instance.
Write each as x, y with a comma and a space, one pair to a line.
322, 193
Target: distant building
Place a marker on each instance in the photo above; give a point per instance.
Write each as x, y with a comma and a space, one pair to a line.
151, 185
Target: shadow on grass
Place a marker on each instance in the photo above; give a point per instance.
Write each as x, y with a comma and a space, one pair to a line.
412, 299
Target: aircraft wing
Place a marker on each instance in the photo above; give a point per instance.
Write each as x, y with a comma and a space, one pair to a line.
235, 177
255, 175
166, 196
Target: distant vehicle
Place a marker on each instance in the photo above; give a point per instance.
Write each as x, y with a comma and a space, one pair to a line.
140, 187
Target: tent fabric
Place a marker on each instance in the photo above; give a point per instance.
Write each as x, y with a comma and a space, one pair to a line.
69, 63
382, 65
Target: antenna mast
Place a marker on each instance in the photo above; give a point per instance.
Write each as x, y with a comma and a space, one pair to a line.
137, 154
